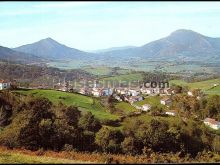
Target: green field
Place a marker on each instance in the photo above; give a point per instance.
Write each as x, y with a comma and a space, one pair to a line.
206, 86
125, 107
126, 77
98, 70
213, 91
152, 100
84, 103
17, 158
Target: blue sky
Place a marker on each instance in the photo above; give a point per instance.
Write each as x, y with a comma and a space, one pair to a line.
98, 25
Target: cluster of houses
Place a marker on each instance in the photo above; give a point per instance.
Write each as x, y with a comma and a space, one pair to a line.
4, 84
129, 95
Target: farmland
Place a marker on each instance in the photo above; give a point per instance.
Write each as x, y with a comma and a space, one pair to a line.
206, 86
126, 77
125, 107
84, 103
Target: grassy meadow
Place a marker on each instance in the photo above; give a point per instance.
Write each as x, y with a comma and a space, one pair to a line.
84, 103
206, 86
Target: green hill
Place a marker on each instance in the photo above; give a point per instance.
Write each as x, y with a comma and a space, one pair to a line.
206, 86
84, 103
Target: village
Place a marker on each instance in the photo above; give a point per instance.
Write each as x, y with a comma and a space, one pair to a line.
125, 94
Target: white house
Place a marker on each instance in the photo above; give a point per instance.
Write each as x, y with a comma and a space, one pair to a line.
212, 123
134, 92
4, 84
190, 93
146, 107
118, 98
96, 92
215, 85
133, 99
171, 113
165, 101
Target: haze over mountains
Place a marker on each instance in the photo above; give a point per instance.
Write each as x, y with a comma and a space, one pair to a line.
181, 44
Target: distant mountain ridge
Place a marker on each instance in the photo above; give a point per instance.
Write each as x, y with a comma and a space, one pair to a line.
51, 49
180, 44
7, 54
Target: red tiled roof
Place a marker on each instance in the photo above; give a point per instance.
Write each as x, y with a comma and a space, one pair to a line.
3, 81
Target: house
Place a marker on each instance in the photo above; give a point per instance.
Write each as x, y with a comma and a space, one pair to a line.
146, 107
107, 92
166, 101
133, 99
190, 93
133, 92
96, 92
215, 85
83, 91
168, 91
212, 123
4, 84
118, 98
171, 113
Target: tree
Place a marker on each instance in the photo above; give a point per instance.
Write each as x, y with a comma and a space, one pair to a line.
213, 106
72, 115
89, 123
130, 146
216, 144
35, 134
109, 140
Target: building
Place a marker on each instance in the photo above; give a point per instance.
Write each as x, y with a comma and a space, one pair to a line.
118, 98
4, 84
133, 92
215, 85
169, 91
107, 92
212, 123
96, 92
171, 113
190, 93
133, 99
146, 107
166, 101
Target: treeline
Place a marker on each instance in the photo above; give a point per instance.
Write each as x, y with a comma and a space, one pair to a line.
30, 73
199, 104
157, 76
35, 123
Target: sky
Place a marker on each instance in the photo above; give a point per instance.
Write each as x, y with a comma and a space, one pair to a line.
99, 25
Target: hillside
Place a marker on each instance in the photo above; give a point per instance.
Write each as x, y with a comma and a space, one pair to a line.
10, 55
179, 45
86, 104
51, 49
184, 45
207, 86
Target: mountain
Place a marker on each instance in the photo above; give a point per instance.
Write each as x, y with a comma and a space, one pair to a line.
7, 54
112, 49
51, 49
180, 44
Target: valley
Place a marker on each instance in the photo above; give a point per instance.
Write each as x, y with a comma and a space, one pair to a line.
80, 106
